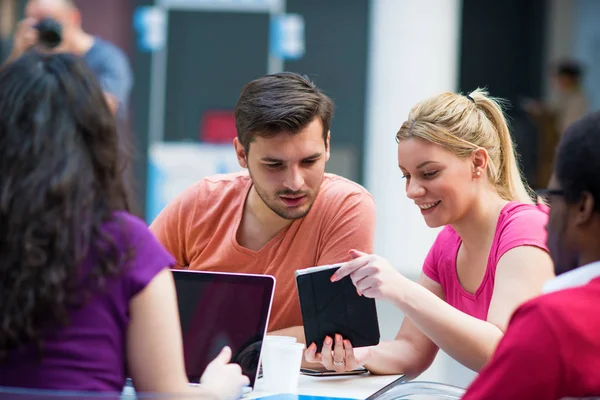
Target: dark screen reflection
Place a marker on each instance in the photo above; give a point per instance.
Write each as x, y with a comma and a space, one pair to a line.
222, 310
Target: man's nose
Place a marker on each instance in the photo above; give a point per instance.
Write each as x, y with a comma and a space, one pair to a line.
294, 179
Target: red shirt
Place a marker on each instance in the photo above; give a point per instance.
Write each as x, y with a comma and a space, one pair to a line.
551, 350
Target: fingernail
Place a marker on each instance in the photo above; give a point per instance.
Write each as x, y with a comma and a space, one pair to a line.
328, 340
359, 293
346, 343
333, 278
338, 338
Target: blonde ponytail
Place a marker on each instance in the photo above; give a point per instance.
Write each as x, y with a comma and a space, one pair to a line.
463, 124
509, 182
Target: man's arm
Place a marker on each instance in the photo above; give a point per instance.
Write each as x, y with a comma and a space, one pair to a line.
25, 36
116, 79
515, 372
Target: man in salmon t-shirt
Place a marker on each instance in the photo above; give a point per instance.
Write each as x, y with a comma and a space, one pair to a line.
285, 213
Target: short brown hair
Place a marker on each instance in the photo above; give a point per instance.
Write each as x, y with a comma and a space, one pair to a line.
282, 102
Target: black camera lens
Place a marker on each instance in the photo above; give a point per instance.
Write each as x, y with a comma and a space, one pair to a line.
50, 32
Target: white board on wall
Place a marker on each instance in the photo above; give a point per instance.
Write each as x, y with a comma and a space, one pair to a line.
173, 167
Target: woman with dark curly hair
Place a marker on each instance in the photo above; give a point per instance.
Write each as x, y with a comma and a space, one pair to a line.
86, 295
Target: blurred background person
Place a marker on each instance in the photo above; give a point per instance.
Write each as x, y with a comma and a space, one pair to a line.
56, 26
568, 104
108, 62
82, 281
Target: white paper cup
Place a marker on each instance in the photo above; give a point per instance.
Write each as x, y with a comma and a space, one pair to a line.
281, 362
273, 338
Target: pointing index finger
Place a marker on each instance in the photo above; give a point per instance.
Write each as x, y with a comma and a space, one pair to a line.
349, 267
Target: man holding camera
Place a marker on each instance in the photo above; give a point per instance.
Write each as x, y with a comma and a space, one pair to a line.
55, 26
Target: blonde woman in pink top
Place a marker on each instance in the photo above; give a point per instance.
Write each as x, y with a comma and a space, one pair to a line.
460, 168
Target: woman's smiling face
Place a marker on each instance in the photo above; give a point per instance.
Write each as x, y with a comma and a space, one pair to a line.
440, 183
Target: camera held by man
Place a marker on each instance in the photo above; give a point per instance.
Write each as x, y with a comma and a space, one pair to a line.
52, 26
55, 26
49, 33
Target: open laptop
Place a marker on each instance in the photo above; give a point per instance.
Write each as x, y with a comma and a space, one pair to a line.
223, 309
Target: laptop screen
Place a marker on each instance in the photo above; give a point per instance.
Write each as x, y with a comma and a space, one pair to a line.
219, 309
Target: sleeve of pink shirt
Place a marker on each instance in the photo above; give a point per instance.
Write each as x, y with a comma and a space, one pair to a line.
525, 226
432, 261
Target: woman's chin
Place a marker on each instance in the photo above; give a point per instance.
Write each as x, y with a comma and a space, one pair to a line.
435, 220
433, 223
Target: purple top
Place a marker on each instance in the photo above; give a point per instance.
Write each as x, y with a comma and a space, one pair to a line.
89, 354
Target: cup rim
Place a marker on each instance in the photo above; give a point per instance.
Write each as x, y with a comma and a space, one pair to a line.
276, 338
288, 345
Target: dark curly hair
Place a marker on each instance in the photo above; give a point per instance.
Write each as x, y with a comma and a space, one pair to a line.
61, 179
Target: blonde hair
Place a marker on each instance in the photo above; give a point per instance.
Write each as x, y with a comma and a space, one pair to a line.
463, 124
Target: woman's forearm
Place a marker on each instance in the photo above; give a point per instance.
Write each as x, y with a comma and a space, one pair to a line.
468, 340
398, 357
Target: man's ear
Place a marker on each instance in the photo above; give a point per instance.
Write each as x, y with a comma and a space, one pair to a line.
585, 209
76, 18
328, 146
240, 152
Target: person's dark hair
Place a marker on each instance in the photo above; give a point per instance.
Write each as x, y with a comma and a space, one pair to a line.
569, 68
60, 181
282, 102
577, 165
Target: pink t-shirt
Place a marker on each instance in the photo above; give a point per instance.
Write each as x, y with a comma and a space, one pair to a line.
518, 225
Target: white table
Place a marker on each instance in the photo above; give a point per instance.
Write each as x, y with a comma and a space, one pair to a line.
353, 387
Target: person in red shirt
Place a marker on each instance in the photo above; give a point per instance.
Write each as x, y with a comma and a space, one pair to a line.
551, 349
